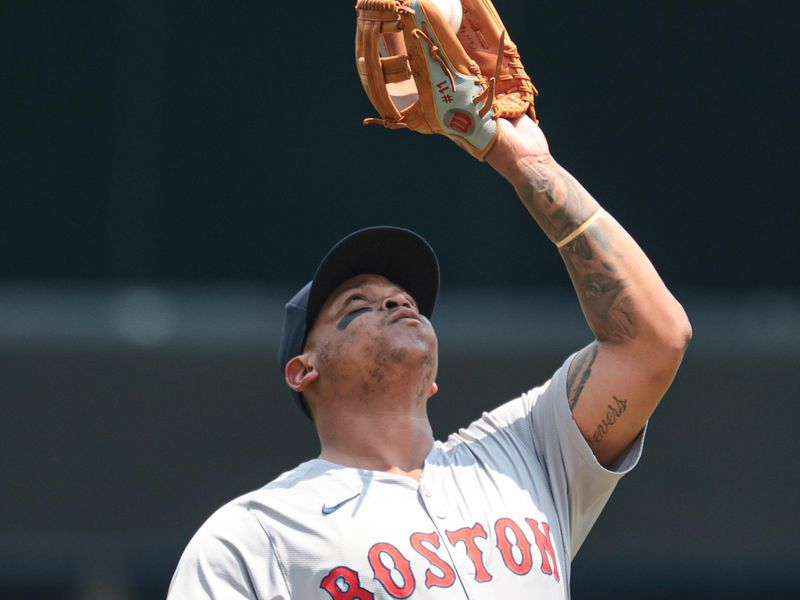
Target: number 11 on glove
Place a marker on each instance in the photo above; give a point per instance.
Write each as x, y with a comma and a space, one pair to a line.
422, 75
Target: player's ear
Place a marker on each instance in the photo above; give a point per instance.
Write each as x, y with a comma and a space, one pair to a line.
299, 373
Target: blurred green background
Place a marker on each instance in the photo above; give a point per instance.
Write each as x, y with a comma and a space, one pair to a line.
171, 172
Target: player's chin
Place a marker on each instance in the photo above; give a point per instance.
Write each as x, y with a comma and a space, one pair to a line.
415, 329
413, 342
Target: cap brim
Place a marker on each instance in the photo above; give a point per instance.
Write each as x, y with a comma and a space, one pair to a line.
398, 254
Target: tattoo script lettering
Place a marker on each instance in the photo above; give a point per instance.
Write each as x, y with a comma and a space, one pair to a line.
614, 413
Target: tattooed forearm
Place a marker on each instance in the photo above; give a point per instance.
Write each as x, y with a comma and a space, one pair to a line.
615, 411
603, 297
579, 373
556, 200
560, 205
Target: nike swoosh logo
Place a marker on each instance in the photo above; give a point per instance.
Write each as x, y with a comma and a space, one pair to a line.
326, 510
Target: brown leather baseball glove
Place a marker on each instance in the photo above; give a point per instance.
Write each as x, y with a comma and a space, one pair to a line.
421, 75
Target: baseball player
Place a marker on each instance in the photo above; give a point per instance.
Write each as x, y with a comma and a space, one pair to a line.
498, 509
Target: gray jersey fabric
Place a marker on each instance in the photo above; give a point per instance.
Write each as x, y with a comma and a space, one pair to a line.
500, 511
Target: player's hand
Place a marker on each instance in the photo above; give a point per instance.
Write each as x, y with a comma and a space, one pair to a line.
520, 142
519, 138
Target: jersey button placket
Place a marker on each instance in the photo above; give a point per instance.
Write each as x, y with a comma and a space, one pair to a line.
434, 508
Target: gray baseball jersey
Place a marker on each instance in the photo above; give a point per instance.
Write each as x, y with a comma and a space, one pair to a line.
499, 512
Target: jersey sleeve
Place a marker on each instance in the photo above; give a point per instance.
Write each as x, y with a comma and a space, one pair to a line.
229, 557
541, 423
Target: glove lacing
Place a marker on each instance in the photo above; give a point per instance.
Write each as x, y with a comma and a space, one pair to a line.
506, 49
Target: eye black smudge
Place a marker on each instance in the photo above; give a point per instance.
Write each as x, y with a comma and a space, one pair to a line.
350, 316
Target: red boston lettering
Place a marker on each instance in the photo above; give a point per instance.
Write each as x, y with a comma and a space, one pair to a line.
545, 547
506, 546
448, 576
343, 584
383, 573
468, 535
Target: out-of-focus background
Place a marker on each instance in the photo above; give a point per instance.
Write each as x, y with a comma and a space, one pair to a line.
170, 172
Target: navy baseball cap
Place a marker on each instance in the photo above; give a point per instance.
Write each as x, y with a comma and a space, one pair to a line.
400, 255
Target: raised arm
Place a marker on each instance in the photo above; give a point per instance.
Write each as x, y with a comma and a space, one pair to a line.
641, 331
